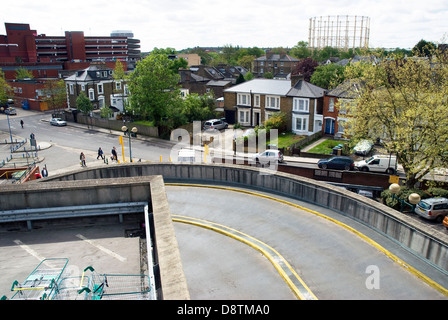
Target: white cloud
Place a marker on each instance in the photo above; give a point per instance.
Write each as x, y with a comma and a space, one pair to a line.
181, 24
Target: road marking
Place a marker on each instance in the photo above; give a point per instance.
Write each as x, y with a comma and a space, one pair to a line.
400, 262
299, 288
100, 247
29, 250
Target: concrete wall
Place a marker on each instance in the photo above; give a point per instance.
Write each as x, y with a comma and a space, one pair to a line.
425, 242
148, 189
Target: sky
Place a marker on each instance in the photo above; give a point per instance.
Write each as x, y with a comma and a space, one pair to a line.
182, 24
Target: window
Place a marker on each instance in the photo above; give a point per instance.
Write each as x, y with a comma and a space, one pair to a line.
91, 94
273, 102
71, 88
301, 105
100, 88
118, 85
83, 87
243, 99
257, 100
101, 102
300, 123
243, 116
331, 105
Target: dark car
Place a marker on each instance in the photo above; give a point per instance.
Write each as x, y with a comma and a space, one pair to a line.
338, 163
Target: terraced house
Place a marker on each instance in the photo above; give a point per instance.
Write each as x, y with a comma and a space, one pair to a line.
99, 86
253, 102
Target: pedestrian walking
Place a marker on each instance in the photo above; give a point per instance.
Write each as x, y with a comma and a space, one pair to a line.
82, 157
114, 154
21, 123
44, 172
100, 154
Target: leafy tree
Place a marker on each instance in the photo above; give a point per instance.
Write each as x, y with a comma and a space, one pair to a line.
404, 103
423, 49
301, 50
328, 76
154, 88
306, 68
56, 95
249, 76
120, 76
276, 121
240, 79
246, 61
5, 89
22, 73
199, 107
83, 103
268, 75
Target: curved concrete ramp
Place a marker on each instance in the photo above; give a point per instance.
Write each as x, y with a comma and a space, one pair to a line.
333, 261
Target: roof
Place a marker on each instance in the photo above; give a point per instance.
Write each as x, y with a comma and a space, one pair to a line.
306, 90
347, 89
89, 74
277, 57
263, 86
219, 83
278, 87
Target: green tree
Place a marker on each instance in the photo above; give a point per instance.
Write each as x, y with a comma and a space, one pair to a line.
199, 107
83, 103
154, 88
22, 73
301, 50
404, 103
328, 76
423, 49
56, 95
120, 76
5, 89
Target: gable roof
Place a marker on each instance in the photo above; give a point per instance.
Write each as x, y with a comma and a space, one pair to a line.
347, 89
306, 90
263, 86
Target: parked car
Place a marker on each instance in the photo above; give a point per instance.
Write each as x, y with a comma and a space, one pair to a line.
268, 156
363, 147
338, 163
445, 222
378, 163
57, 122
11, 111
217, 124
432, 208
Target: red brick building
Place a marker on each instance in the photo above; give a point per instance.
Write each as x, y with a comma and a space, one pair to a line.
46, 56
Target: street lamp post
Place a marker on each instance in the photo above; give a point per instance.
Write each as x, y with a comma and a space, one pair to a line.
413, 198
9, 125
127, 132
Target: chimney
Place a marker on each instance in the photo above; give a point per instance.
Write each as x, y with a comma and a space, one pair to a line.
296, 78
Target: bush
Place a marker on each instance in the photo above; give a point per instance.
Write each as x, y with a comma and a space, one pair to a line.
437, 192
388, 199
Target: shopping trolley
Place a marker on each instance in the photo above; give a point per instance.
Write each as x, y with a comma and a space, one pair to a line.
116, 286
41, 282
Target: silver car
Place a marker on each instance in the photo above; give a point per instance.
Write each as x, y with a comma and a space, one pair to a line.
215, 124
432, 208
57, 122
268, 156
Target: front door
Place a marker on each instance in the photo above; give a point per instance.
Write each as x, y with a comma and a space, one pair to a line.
329, 126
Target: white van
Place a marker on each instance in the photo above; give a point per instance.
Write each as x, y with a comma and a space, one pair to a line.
186, 155
378, 163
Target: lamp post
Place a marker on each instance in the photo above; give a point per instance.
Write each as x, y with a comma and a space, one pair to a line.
413, 198
9, 125
126, 131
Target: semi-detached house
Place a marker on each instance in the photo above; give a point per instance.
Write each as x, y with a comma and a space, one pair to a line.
253, 102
